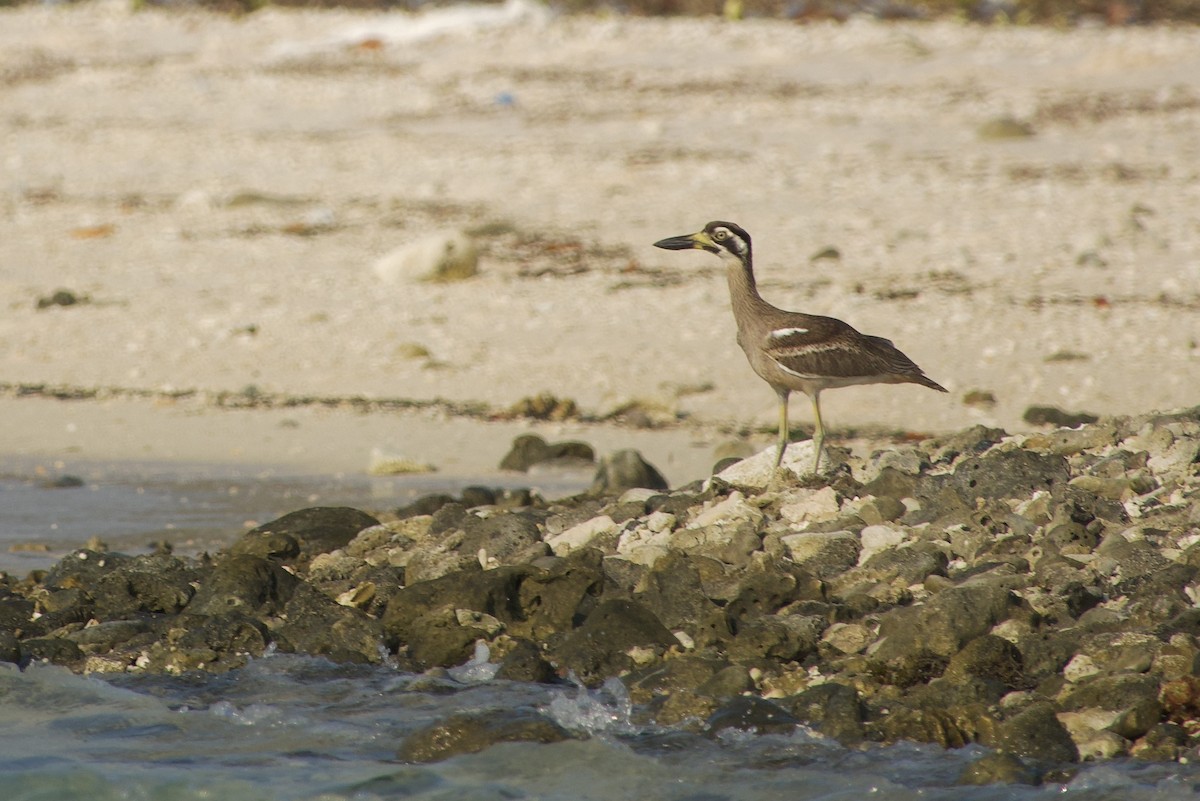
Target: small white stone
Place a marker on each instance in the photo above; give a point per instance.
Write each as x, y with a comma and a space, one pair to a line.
1079, 668
804, 506
581, 535
730, 511
660, 521
878, 538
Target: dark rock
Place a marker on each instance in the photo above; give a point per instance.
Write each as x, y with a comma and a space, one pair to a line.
425, 505
525, 662
1007, 474
1035, 733
493, 592
16, 615
473, 497
991, 659
244, 584
904, 566
1135, 696
833, 709
669, 590
10, 648
998, 768
215, 643
1054, 416
472, 732
442, 638
948, 727
530, 449
749, 713
144, 584
61, 297
315, 624
675, 675
776, 638
500, 536
762, 590
56, 650
623, 470
105, 637
728, 682
316, 530
604, 644
917, 642
1166, 742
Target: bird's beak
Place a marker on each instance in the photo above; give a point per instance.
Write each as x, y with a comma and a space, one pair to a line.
698, 241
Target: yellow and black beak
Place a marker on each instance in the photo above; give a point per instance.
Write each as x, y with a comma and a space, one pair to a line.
697, 241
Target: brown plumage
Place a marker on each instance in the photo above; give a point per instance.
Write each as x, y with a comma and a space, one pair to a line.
792, 351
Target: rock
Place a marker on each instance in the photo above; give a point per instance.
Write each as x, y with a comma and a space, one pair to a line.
472, 732
623, 470
55, 650
10, 648
833, 709
669, 592
244, 584
144, 584
823, 554
757, 472
747, 713
776, 638
297, 537
529, 449
441, 256
525, 662
1053, 416
1034, 732
616, 636
315, 624
998, 767
599, 532
1013, 473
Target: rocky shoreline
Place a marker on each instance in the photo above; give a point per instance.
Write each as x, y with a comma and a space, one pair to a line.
1037, 594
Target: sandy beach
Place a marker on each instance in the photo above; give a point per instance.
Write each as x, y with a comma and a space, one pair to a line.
1016, 208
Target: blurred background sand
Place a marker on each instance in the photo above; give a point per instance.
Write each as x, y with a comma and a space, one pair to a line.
1015, 207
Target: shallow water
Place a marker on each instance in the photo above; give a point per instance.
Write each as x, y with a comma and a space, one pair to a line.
288, 727
195, 507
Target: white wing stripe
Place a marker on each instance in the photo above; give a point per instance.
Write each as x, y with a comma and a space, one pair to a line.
784, 333
789, 371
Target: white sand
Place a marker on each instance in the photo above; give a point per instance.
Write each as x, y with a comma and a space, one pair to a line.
606, 134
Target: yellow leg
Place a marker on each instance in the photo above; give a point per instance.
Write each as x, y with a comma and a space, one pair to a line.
819, 434
783, 426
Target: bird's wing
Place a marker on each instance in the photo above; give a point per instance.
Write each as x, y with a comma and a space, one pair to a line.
829, 348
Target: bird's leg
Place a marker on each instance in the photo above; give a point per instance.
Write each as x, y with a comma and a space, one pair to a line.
819, 434
783, 425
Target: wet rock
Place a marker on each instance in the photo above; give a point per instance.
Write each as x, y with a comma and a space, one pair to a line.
685, 673
55, 650
1034, 732
1133, 698
297, 537
525, 662
502, 537
623, 470
833, 709
10, 648
998, 768
215, 643
945, 726
748, 713
102, 638
617, 636
991, 659
472, 732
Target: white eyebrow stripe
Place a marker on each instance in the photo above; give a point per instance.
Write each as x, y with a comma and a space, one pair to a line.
784, 333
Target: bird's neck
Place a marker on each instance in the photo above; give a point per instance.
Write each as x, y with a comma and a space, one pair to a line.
743, 291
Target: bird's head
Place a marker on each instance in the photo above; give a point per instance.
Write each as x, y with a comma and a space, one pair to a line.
725, 239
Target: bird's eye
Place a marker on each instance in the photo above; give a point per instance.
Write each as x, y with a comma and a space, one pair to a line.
720, 234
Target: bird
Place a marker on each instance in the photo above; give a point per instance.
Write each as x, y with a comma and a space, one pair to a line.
793, 351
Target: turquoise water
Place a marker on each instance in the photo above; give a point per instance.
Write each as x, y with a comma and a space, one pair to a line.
289, 727
295, 728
